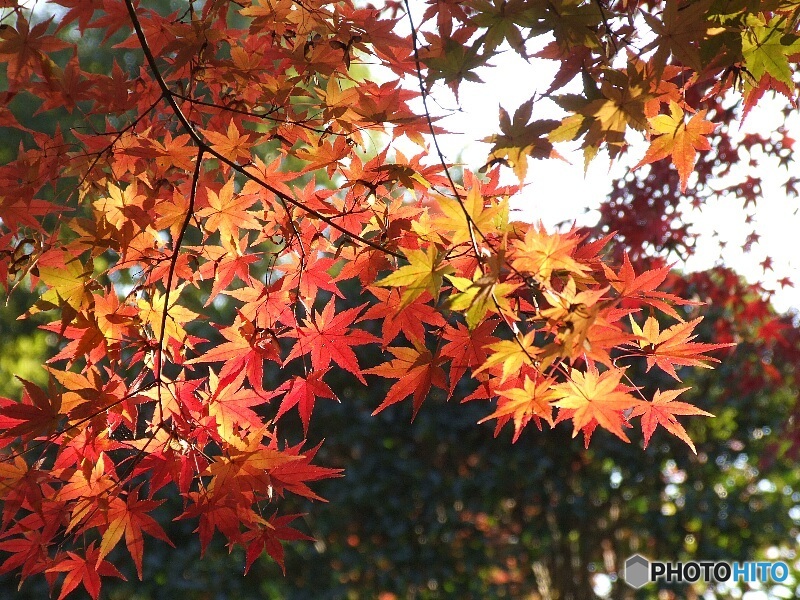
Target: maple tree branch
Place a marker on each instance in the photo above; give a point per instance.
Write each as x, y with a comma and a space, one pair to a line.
606, 25
429, 120
265, 116
198, 139
171, 272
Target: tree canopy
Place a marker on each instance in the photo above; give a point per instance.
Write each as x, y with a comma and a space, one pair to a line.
217, 206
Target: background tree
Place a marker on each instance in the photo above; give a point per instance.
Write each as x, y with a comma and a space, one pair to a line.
236, 151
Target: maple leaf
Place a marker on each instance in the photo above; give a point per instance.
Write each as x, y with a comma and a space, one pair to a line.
679, 139
470, 218
152, 313
246, 471
175, 152
130, 518
38, 413
520, 139
409, 320
511, 354
214, 514
79, 10
677, 31
230, 405
227, 213
466, 349
225, 264
673, 346
766, 48
598, 396
293, 475
268, 537
231, 144
29, 553
482, 294
303, 393
541, 254
416, 370
67, 279
328, 338
424, 272
22, 45
245, 350
91, 481
326, 154
661, 411
627, 283
83, 570
21, 485
533, 399
574, 314
604, 115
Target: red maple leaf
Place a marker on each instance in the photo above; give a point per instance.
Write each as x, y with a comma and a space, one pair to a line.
416, 370
662, 411
85, 570
303, 393
268, 537
328, 337
467, 349
293, 475
395, 318
37, 414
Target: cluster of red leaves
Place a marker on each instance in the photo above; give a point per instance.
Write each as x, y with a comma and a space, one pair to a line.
244, 153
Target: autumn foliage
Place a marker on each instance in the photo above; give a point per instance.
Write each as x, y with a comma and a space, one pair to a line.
275, 156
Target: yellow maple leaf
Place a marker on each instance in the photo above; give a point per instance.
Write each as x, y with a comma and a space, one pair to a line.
151, 313
67, 283
482, 294
512, 354
483, 220
424, 272
542, 253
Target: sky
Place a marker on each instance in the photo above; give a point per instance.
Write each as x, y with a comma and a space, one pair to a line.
558, 191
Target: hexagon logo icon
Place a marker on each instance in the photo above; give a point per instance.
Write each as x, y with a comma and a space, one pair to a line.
637, 571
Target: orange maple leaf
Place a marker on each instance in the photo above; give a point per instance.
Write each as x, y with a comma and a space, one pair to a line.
542, 253
232, 145
598, 396
227, 213
673, 346
130, 519
679, 139
532, 400
416, 370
